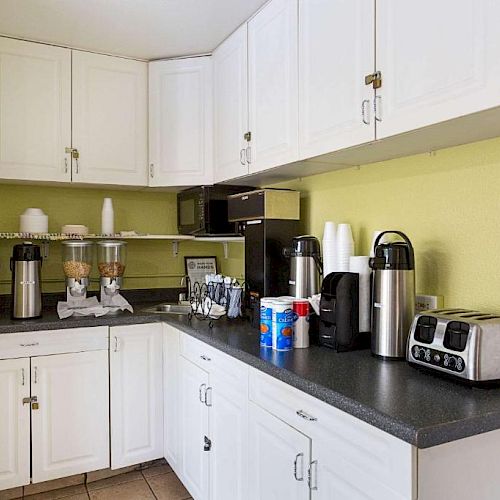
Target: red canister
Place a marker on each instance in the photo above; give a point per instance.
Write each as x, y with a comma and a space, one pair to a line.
300, 323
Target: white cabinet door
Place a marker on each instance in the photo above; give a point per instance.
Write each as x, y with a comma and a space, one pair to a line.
231, 106
439, 60
194, 418
280, 456
35, 111
273, 85
336, 51
180, 122
14, 423
229, 432
136, 394
110, 119
172, 395
70, 429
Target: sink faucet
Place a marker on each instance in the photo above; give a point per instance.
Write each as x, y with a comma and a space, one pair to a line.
183, 296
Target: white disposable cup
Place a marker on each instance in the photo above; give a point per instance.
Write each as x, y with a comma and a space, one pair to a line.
330, 231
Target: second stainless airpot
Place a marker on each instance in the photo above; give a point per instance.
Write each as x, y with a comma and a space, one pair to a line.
393, 295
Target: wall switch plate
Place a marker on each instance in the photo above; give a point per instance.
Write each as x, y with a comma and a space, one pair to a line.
426, 302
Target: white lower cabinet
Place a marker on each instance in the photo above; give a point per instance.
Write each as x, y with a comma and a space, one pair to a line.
136, 373
195, 443
70, 420
14, 423
280, 457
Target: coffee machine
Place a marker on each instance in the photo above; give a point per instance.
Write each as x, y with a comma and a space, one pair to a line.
270, 220
26, 267
305, 266
111, 261
77, 265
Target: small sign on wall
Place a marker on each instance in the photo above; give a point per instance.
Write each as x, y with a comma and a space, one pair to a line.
198, 267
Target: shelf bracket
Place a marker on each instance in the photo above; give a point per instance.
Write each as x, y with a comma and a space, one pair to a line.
225, 244
175, 248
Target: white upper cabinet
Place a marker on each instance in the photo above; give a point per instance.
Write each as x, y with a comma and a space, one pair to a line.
136, 363
109, 119
180, 122
35, 111
14, 423
336, 51
70, 425
273, 85
439, 60
231, 106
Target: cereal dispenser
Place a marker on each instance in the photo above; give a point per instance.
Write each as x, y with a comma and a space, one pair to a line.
77, 265
111, 260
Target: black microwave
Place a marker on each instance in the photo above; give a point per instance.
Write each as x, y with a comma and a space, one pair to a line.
202, 210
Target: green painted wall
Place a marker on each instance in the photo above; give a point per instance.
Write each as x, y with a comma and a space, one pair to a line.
448, 203
150, 263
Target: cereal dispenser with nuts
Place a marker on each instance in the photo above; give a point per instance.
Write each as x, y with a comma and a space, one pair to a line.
77, 265
111, 261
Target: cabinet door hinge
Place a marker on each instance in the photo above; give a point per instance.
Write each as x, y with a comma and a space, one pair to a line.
247, 136
208, 444
374, 79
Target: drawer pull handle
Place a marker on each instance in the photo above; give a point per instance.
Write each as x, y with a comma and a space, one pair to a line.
205, 358
295, 467
30, 345
306, 416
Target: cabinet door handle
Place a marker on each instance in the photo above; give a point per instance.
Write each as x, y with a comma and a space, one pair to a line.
312, 475
306, 416
365, 111
295, 467
77, 166
208, 401
116, 344
377, 108
65, 165
248, 154
205, 358
202, 394
151, 170
35, 375
242, 157
22, 376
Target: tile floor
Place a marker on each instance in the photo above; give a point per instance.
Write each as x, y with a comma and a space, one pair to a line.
157, 482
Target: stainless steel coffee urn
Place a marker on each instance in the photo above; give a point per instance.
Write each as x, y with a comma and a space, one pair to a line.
26, 266
305, 266
393, 295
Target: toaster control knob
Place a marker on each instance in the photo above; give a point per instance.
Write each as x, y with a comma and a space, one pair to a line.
416, 352
437, 358
451, 362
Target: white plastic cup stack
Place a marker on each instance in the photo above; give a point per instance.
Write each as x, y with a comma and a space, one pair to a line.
360, 266
345, 247
329, 247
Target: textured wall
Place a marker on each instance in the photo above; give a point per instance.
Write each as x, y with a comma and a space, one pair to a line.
150, 263
447, 202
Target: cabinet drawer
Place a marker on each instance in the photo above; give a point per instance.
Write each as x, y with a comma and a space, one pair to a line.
214, 361
22, 345
379, 459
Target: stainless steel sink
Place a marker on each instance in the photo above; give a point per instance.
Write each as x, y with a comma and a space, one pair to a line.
169, 309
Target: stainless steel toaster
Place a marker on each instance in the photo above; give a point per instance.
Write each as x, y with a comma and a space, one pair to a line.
458, 342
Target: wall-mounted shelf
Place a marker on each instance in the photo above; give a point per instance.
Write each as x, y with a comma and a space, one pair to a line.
44, 238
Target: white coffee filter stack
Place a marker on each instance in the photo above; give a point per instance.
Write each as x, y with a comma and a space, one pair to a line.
329, 247
345, 247
360, 266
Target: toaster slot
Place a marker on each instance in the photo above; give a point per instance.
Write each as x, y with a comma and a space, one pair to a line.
489, 316
425, 329
455, 336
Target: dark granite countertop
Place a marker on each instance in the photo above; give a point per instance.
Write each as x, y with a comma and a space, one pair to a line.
420, 408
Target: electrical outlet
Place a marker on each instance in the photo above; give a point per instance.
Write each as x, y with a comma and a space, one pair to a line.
426, 302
